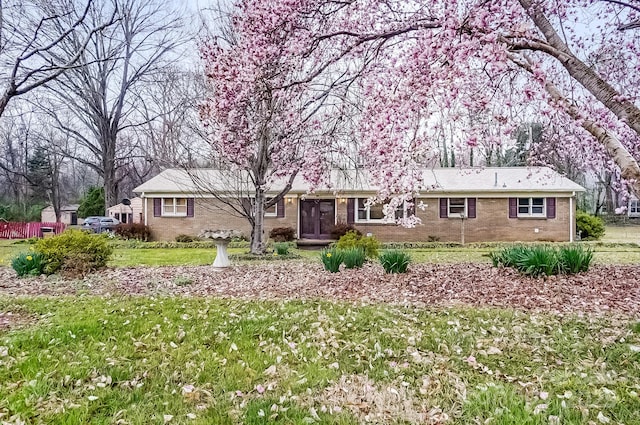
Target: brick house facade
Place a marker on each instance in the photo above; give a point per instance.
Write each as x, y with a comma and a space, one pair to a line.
479, 205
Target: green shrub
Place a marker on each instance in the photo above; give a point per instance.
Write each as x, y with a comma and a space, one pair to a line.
137, 231
281, 248
31, 264
353, 258
74, 252
340, 229
543, 260
331, 259
575, 259
354, 239
186, 238
589, 227
283, 234
395, 261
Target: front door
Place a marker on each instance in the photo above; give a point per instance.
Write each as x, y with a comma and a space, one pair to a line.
317, 217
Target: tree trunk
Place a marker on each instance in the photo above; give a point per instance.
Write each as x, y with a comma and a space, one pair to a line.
109, 167
257, 229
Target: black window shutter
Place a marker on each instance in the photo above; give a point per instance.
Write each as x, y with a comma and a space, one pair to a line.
471, 207
412, 209
157, 207
513, 207
551, 207
444, 207
280, 208
351, 210
190, 207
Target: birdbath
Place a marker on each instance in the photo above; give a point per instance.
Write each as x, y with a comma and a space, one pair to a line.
222, 239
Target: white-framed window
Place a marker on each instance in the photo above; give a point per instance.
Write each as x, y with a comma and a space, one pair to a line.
634, 206
456, 206
174, 207
374, 213
531, 207
272, 211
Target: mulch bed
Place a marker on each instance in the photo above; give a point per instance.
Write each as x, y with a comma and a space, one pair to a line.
602, 290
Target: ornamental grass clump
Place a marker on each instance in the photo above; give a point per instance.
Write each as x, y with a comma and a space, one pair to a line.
575, 259
354, 258
544, 260
395, 261
331, 259
31, 264
281, 248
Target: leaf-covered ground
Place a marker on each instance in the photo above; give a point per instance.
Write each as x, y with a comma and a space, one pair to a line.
604, 289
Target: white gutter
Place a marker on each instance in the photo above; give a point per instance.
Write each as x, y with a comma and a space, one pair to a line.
571, 232
144, 206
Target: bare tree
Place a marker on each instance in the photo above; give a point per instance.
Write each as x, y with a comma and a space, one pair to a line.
32, 35
103, 95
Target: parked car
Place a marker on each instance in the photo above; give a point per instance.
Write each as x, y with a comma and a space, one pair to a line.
100, 224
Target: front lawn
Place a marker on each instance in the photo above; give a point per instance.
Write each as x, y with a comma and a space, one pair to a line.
150, 360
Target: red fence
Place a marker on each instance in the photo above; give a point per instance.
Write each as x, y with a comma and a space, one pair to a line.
28, 230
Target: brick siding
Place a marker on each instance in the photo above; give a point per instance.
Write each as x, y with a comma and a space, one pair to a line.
492, 223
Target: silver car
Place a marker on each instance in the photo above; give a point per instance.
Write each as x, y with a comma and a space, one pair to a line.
99, 224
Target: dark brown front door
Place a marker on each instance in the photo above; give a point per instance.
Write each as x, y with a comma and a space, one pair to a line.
317, 217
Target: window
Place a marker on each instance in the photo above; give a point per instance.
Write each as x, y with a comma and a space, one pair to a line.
374, 213
272, 211
176, 207
456, 207
531, 207
634, 207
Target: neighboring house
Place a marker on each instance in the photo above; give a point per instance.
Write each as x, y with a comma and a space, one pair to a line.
127, 213
470, 205
68, 214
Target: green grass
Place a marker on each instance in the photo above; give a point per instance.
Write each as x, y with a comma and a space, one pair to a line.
92, 360
620, 245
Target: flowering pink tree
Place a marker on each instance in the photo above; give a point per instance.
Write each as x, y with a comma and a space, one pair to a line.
418, 67
263, 124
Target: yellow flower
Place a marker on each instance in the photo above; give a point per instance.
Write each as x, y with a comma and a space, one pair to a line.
275, 253
328, 255
29, 258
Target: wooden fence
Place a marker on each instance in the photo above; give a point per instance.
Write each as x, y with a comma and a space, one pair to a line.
28, 230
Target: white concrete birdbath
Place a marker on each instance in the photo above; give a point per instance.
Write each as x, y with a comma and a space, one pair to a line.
222, 239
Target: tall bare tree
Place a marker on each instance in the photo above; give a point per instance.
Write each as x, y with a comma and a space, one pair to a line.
104, 94
32, 36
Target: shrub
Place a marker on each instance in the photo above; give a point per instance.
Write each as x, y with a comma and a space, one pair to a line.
74, 252
544, 260
540, 260
186, 238
353, 258
31, 264
575, 259
281, 248
354, 239
283, 234
589, 227
340, 229
136, 231
395, 261
331, 259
